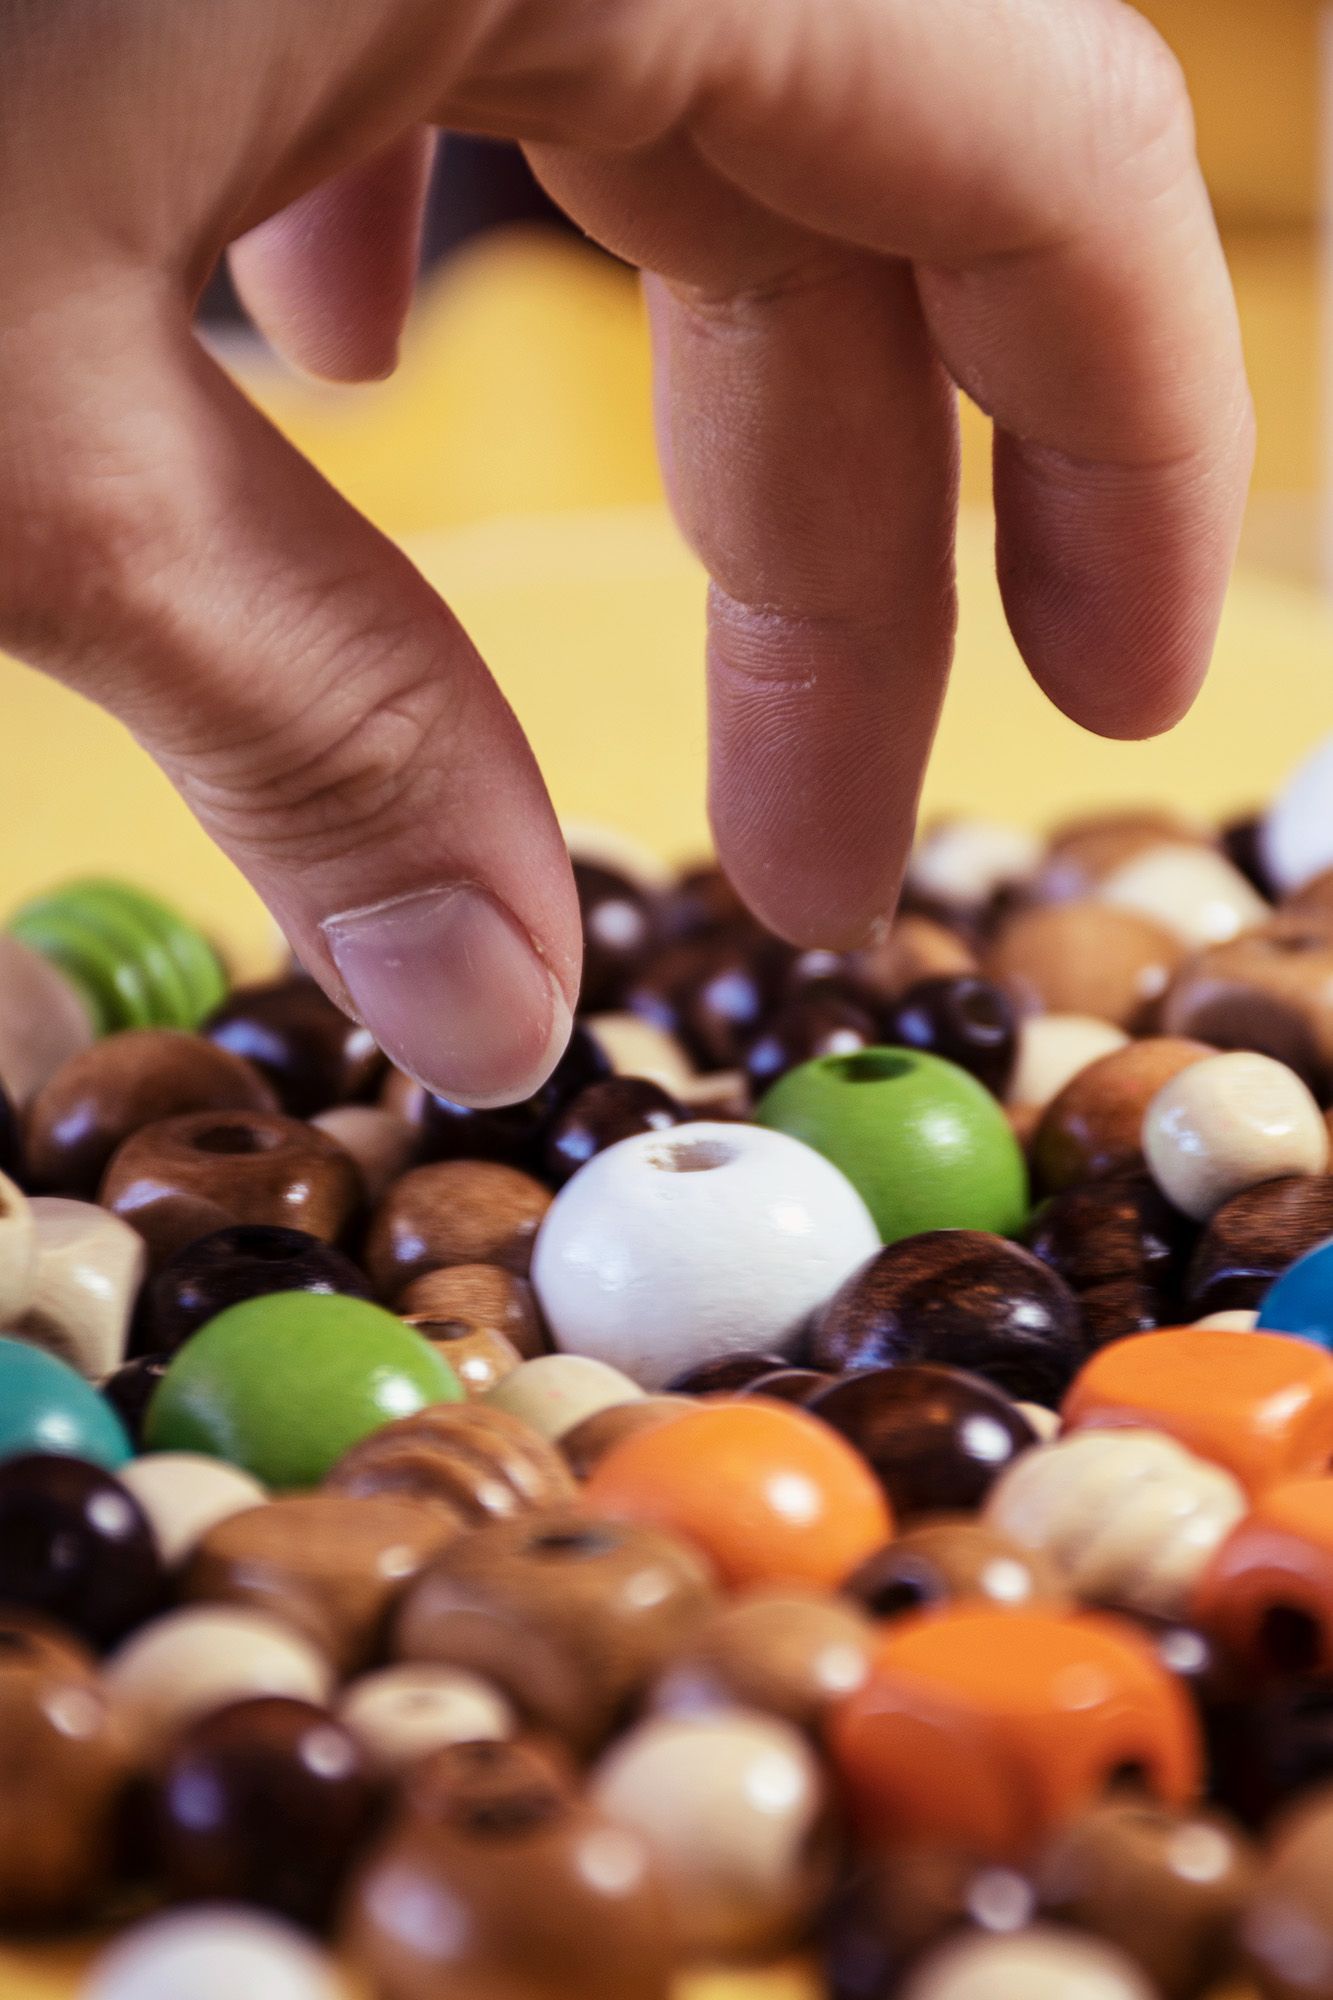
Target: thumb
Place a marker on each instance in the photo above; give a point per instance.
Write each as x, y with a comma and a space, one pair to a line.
316, 704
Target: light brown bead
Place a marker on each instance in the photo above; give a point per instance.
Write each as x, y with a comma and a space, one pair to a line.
404, 1096
787, 1653
1083, 852
1094, 1126
18, 1250
947, 1559
480, 1296
204, 1656
471, 1462
43, 1022
587, 1443
1287, 1926
383, 1144
1084, 958
1270, 989
402, 1713
912, 949
453, 1212
87, 1269
479, 1356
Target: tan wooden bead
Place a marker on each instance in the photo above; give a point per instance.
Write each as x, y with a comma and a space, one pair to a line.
479, 1356
43, 1022
201, 1657
1084, 958
557, 1391
18, 1251
453, 1212
402, 1713
1084, 851
787, 1653
1227, 1124
640, 1048
88, 1266
382, 1144
1094, 1126
913, 948
587, 1443
1195, 892
960, 864
184, 1494
477, 1296
1286, 1930
472, 1463
1052, 1050
1270, 989
1039, 1963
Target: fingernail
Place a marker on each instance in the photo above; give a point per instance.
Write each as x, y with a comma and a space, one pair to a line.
453, 990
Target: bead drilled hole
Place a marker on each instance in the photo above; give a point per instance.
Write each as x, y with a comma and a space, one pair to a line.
235, 1139
872, 1066
695, 1156
1289, 1639
572, 1542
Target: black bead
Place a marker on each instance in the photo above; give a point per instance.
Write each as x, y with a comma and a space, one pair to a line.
819, 1023
966, 1020
131, 1388
76, 1546
1241, 845
616, 1108
618, 931
245, 1261
701, 903
1276, 1745
937, 1439
514, 1133
311, 1053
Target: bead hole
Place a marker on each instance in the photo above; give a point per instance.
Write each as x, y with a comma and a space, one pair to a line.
582, 1542
1128, 1776
235, 1139
695, 1156
1289, 1639
872, 1066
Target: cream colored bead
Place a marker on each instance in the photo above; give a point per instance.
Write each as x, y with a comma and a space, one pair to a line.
402, 1713
1046, 1423
86, 1275
1129, 1516
1235, 1320
382, 1144
43, 1022
191, 1661
1052, 1049
213, 1952
1194, 891
18, 1251
730, 1805
1227, 1123
1040, 1963
962, 863
184, 1494
637, 1048
556, 1391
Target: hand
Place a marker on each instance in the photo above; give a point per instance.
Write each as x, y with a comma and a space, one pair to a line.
845, 208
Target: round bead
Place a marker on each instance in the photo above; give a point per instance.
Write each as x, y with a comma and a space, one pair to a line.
815, 1023
243, 1261
1083, 851
471, 1463
898, 1904
1286, 1930
912, 948
1052, 1049
616, 1108
1094, 1127
1297, 838
711, 992
966, 1020
1255, 1238
730, 1806
923, 1142
18, 1250
479, 1358
554, 1392
1228, 1123
771, 1494
670, 1249
1301, 1300
503, 1782
284, 1385
1084, 958
786, 1653
76, 1546
935, 1438
382, 1144
1270, 989
618, 917
212, 1954
513, 1133
129, 1389
312, 1054
961, 864
483, 1298
43, 1022
1192, 891
586, 1443
1040, 1963
949, 1559
203, 1657
1112, 1229
46, 1407
401, 1714
453, 1212
183, 1494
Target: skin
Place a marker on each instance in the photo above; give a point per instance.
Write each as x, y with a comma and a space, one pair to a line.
841, 211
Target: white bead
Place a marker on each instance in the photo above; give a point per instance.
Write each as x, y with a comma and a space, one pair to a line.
1052, 1049
189, 1662
553, 1392
88, 1266
1194, 891
963, 862
402, 1713
215, 1952
1235, 1320
1130, 1516
184, 1493
639, 1048
1225, 1124
673, 1248
1040, 1963
18, 1250
1296, 838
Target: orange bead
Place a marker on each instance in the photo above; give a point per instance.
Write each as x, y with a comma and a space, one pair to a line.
771, 1493
1260, 1404
1267, 1593
982, 1729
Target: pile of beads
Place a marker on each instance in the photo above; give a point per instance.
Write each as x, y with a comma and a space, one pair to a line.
844, 1469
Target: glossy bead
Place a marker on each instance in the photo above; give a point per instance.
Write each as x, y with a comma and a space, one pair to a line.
478, 1356
203, 1657
769, 1493
514, 1133
453, 1212
813, 1024
616, 1108
46, 1407
951, 1559
1270, 989
1297, 838
1242, 843
1094, 1126
634, 1047
966, 1020
185, 1177
961, 1299
1228, 1123
554, 1392
76, 1546
1301, 1299
569, 1617
787, 1653
18, 1249
712, 993
129, 1390
1083, 851
961, 864
725, 1374
984, 1729
471, 1462
1190, 890
400, 1714
1129, 1518
730, 1807
382, 1144
586, 1443
212, 1954
43, 1022
1278, 1744
136, 961
1164, 1887
184, 1494
1040, 1963
482, 1298
263, 1803
1121, 1228
672, 1249
913, 948
308, 1049
1256, 1237
503, 1781
618, 930
1052, 1049
86, 1273
1083, 958
935, 1438
284, 1385
1260, 1404
1268, 1592
1286, 1930
243, 1261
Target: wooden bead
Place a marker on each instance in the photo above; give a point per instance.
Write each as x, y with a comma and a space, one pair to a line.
555, 1392
76, 1546
725, 1374
814, 1023
184, 1177
43, 1021
453, 1212
309, 1050
210, 1953
402, 1713
1084, 851
949, 1559
1227, 1124
968, 1021
1286, 1930
957, 1298
1129, 1518
1253, 1238
18, 1250
913, 948
382, 1144
983, 1729
1040, 1963
330, 1564
497, 1781
897, 1904
1260, 1404
11, 1142
1094, 1126
619, 924
471, 1462
86, 1272
129, 1389
1052, 1049
570, 1617
787, 1653
586, 1444
731, 1807
1084, 958
615, 1108
205, 1656
711, 992
771, 1494
479, 1356
183, 1494
512, 1133
635, 1047
1270, 990
243, 1261
1121, 1228
480, 1296
1267, 1594
935, 1438
962, 864
1190, 890
97, 1099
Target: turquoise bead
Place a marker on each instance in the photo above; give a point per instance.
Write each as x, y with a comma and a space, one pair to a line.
285, 1383
1301, 1300
45, 1406
925, 1145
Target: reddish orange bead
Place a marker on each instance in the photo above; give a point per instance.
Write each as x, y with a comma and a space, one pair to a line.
981, 1729
1267, 1594
1260, 1404
769, 1492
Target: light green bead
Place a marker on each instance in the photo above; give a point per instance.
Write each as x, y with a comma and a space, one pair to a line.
925, 1145
284, 1384
45, 1406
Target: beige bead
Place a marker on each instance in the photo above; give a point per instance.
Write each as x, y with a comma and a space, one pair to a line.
1046, 1423
184, 1494
1193, 891
1040, 1963
18, 1251
43, 1022
731, 1807
1227, 1123
87, 1271
1236, 1320
556, 1391
637, 1048
1052, 1049
1130, 1517
382, 1144
189, 1662
962, 863
402, 1713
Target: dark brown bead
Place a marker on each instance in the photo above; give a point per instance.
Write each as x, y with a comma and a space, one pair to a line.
815, 1023
99, 1097
508, 1781
1120, 1228
1286, 1929
453, 1212
713, 995
571, 1617
1276, 1744
784, 1652
243, 1261
615, 1108
264, 1802
587, 1444
1119, 1307
898, 1904
480, 1297
472, 1463
513, 1133
725, 1376
1269, 989
131, 1388
1084, 958
1092, 1127
700, 903
936, 1439
1253, 1238
186, 1177
946, 1559
912, 949
789, 1385
968, 1021
309, 1050
963, 1299
76, 1546
1243, 846
618, 931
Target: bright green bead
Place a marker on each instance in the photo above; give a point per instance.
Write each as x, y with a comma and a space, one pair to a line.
198, 982
284, 1384
925, 1145
114, 991
45, 1406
